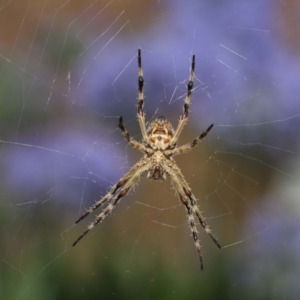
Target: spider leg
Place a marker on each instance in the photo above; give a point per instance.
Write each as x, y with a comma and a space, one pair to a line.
124, 185
186, 106
187, 147
103, 214
189, 200
140, 104
177, 185
131, 140
113, 190
193, 227
201, 219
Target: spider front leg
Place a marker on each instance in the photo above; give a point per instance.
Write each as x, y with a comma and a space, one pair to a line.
188, 199
184, 191
124, 185
201, 219
183, 198
112, 190
104, 213
193, 227
186, 106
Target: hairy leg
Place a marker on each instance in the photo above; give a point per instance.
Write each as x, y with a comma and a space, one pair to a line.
186, 106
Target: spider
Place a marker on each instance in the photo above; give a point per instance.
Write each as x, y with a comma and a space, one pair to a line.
159, 146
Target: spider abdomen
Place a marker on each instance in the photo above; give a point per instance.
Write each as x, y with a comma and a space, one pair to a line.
160, 133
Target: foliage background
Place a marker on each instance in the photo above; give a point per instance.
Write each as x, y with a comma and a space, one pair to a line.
68, 70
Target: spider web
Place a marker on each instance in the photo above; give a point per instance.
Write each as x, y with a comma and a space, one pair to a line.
68, 70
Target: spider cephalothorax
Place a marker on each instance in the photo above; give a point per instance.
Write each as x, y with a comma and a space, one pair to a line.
159, 146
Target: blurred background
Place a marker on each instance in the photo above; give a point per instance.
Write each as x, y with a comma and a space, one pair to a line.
68, 70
